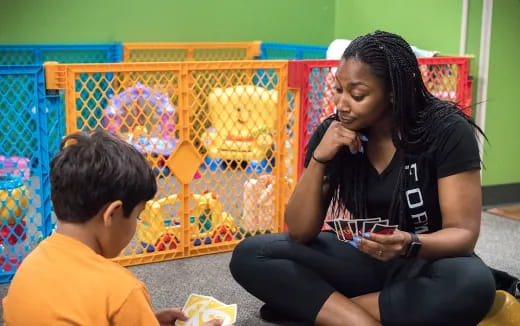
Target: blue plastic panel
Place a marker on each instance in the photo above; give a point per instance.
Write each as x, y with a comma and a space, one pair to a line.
35, 54
25, 207
281, 51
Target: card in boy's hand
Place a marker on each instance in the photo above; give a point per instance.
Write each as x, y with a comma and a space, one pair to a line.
384, 229
201, 309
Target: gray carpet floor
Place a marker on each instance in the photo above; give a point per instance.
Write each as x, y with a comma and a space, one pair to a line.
170, 283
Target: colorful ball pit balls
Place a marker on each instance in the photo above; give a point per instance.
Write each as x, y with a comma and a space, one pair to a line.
14, 201
10, 265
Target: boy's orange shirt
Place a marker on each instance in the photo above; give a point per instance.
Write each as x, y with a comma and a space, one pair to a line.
64, 282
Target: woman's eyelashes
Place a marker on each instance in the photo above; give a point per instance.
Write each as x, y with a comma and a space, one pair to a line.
357, 98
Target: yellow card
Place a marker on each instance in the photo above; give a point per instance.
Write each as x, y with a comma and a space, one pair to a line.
201, 309
227, 313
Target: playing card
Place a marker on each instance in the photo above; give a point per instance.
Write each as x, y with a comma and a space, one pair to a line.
227, 314
334, 225
346, 230
201, 309
384, 229
331, 225
368, 225
359, 223
339, 230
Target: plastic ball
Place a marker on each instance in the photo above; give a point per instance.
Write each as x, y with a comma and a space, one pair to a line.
10, 265
147, 247
13, 233
13, 203
222, 234
3, 195
166, 242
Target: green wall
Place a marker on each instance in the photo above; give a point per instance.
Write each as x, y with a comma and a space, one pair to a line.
76, 21
502, 153
427, 24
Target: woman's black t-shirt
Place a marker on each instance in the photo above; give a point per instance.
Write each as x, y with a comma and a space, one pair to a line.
457, 152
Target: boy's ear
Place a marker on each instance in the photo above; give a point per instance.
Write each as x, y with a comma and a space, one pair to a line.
113, 209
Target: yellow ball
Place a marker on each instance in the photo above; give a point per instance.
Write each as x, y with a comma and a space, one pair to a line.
12, 204
24, 201
3, 195
20, 194
4, 213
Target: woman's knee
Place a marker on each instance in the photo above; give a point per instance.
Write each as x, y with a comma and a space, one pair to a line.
468, 288
248, 253
476, 285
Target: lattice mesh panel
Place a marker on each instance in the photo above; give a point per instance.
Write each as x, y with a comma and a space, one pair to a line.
76, 56
175, 52
233, 124
219, 54
64, 53
157, 55
21, 209
441, 80
16, 57
213, 137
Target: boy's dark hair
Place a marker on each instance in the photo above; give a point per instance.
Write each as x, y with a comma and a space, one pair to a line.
91, 171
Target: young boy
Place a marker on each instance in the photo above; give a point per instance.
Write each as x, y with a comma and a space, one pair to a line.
99, 186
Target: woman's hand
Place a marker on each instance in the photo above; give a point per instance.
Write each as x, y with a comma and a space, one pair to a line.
335, 137
381, 246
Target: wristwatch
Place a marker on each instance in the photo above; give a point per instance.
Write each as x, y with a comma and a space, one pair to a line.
414, 247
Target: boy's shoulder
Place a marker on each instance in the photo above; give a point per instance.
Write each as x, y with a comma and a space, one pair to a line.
64, 278
65, 262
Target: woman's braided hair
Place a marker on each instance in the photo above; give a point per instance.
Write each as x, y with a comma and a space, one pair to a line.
417, 117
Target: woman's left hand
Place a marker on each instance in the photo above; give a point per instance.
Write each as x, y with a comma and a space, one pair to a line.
382, 246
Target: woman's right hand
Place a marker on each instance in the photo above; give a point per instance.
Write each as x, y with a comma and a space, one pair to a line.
335, 137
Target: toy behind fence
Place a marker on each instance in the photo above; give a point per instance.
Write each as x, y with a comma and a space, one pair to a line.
208, 223
145, 117
243, 120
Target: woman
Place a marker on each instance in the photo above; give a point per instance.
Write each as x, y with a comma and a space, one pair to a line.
393, 150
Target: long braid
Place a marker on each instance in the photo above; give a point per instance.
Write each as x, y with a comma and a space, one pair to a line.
417, 117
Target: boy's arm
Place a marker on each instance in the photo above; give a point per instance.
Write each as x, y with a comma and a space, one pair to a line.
136, 310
